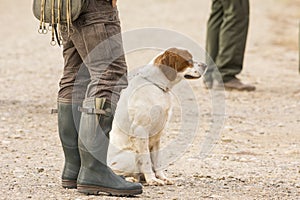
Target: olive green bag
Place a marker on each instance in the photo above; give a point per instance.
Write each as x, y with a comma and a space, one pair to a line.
53, 13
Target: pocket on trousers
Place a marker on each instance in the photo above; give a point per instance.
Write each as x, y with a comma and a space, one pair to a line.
105, 40
115, 39
97, 42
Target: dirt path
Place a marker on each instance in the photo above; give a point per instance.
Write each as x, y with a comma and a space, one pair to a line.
257, 155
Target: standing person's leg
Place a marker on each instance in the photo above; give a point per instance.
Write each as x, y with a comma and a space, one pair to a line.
97, 39
212, 39
70, 97
233, 36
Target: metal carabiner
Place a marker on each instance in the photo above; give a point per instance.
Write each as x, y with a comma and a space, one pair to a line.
50, 27
53, 43
44, 29
40, 31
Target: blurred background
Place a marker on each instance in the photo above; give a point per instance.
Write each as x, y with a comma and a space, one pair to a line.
258, 148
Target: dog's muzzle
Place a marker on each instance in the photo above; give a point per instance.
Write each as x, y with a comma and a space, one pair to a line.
197, 71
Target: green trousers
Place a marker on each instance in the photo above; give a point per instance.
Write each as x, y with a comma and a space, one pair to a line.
227, 30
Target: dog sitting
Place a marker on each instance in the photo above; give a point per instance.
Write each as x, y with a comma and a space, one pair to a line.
142, 113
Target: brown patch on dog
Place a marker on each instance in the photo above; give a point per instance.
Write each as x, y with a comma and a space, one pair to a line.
172, 61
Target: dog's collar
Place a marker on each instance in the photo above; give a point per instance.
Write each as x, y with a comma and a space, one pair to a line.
163, 88
154, 75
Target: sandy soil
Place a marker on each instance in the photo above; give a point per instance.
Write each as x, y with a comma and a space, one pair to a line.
257, 155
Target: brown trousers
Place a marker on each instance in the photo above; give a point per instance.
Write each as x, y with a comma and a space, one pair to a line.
94, 62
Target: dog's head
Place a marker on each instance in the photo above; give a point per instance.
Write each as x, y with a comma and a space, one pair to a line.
176, 61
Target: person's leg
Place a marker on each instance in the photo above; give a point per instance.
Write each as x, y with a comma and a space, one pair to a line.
212, 39
70, 97
232, 38
97, 38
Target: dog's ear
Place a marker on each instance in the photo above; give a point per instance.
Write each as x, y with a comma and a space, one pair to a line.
169, 72
167, 62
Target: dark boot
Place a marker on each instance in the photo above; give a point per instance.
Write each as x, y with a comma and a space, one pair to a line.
95, 176
236, 84
68, 124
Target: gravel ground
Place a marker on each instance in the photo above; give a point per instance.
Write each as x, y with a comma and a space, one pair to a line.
257, 154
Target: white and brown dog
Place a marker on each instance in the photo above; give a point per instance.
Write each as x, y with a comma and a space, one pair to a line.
142, 113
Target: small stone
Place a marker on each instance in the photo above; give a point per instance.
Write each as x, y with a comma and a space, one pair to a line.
17, 137
243, 160
230, 128
179, 184
226, 140
20, 130
6, 142
40, 170
177, 175
225, 158
280, 125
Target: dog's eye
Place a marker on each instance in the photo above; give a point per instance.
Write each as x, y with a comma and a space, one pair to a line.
191, 62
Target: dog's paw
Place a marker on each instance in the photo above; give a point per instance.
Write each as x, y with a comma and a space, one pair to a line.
161, 176
167, 181
131, 179
155, 182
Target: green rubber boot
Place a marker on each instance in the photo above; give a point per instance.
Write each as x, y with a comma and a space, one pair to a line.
68, 124
95, 176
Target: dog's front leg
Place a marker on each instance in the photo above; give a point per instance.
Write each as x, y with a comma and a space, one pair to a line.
156, 160
143, 159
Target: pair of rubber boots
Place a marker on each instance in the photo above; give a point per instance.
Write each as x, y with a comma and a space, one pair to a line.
86, 151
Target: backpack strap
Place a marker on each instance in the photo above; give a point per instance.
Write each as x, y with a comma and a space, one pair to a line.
42, 29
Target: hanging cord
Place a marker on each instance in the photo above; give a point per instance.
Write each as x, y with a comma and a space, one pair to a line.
53, 43
58, 33
42, 29
69, 17
55, 22
58, 13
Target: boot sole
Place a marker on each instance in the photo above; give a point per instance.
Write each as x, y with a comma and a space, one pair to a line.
69, 184
234, 89
239, 89
95, 190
